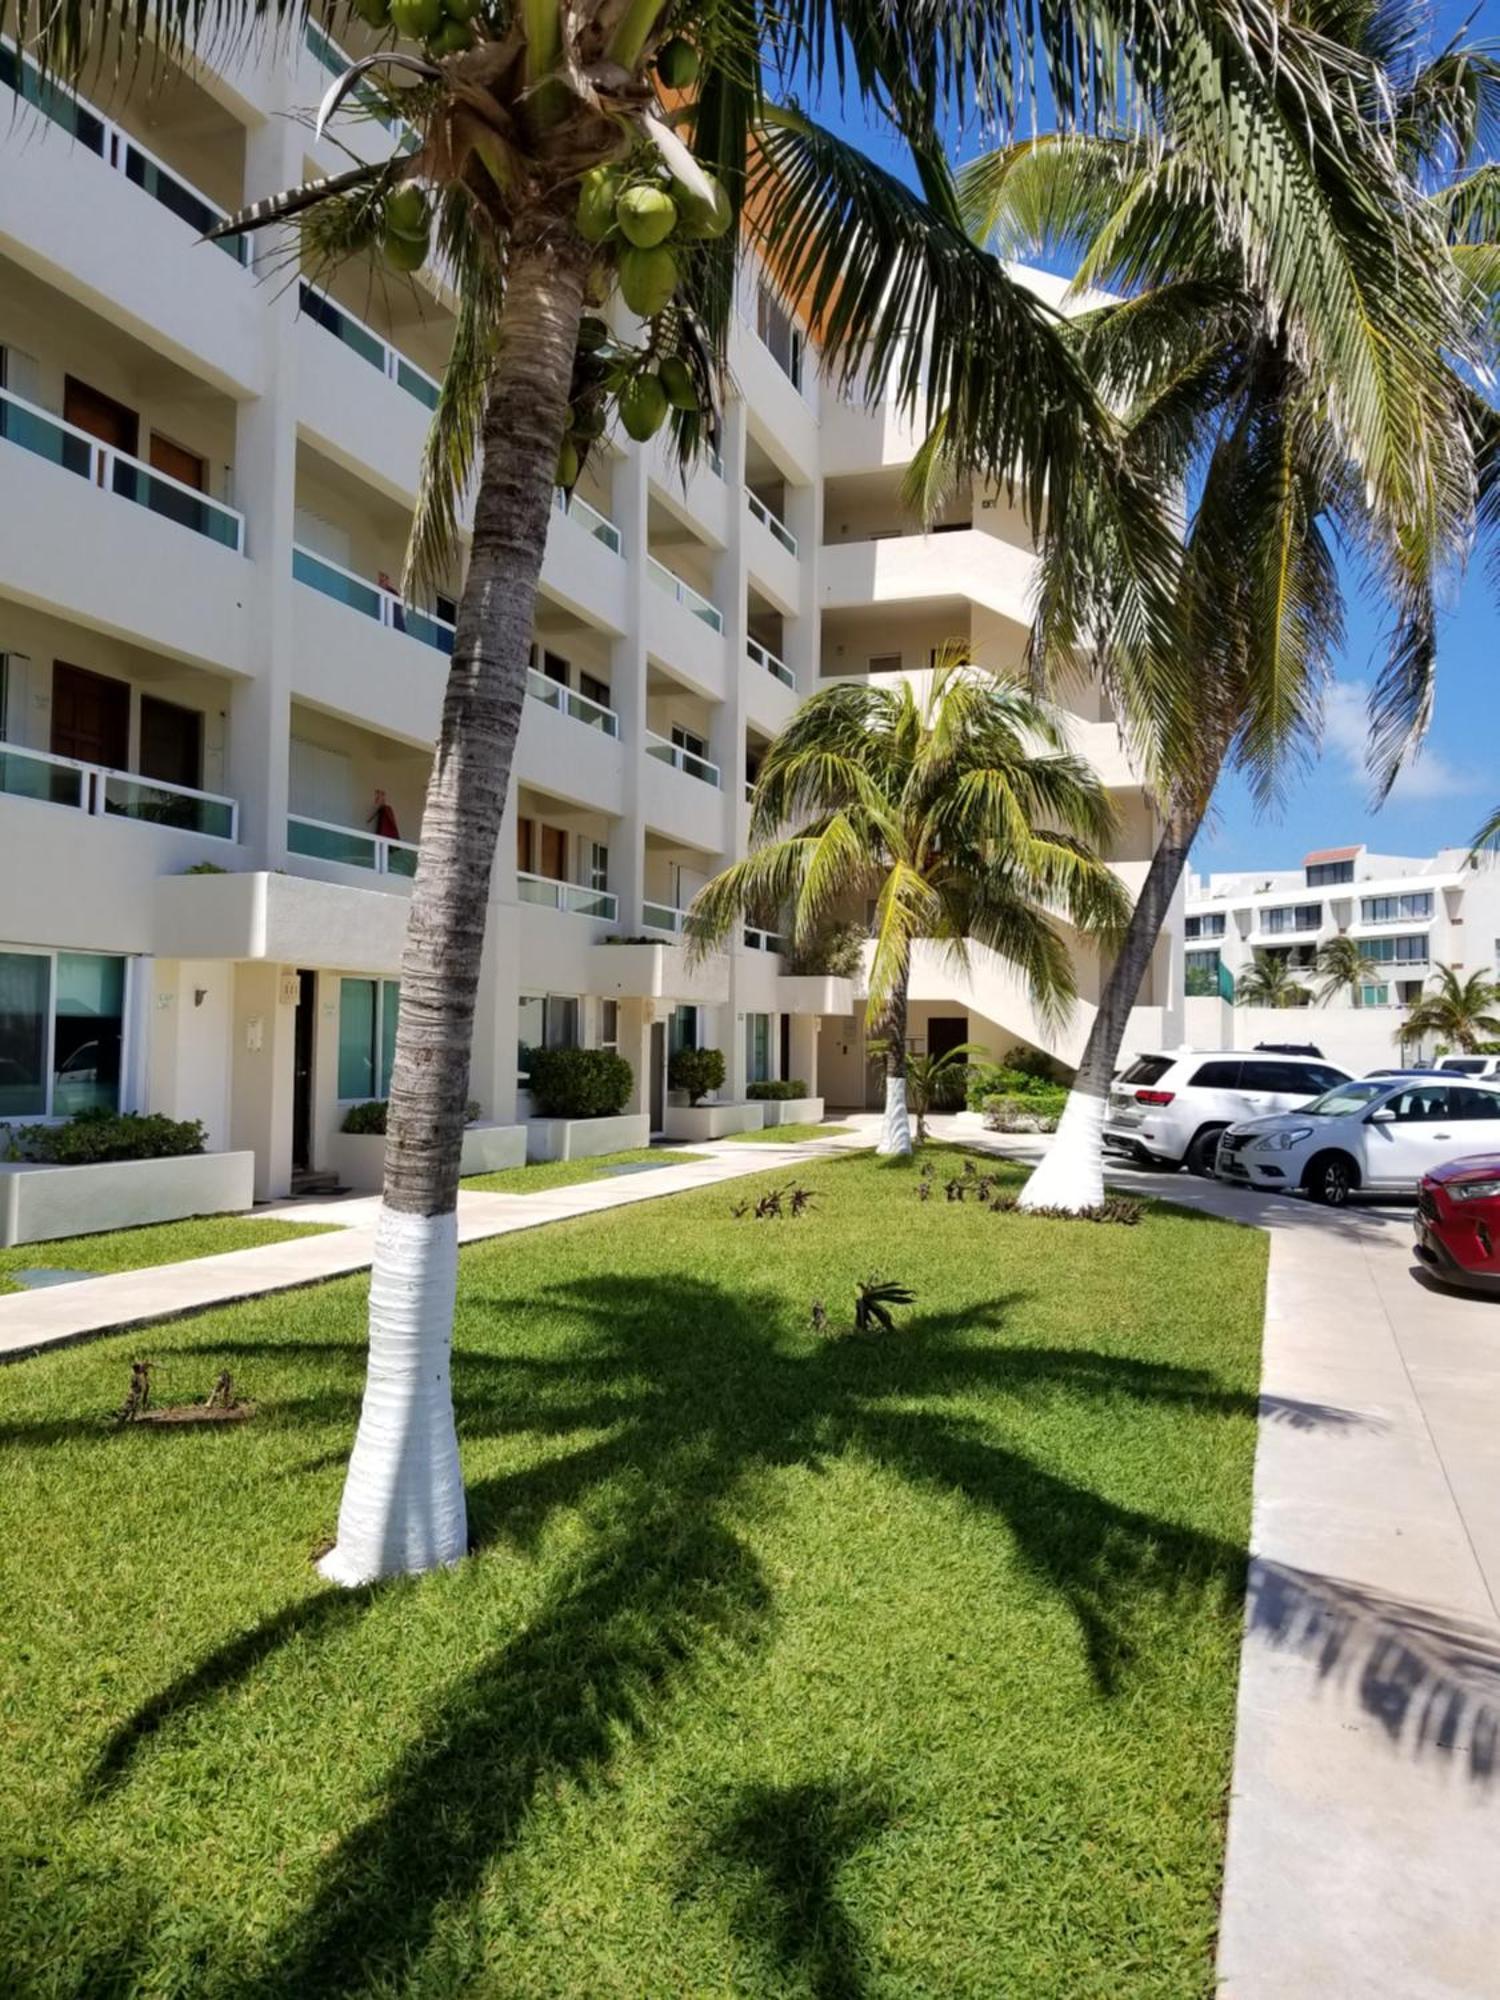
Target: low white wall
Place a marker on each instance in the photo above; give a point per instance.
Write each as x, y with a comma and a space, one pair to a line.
586, 1138
358, 1158
1354, 1038
712, 1121
792, 1110
39, 1203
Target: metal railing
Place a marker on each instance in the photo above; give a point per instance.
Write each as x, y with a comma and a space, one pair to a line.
662, 917
580, 707
100, 135
367, 344
372, 599
96, 789
691, 600
773, 522
681, 760
589, 519
758, 940
49, 437
762, 656
571, 897
321, 840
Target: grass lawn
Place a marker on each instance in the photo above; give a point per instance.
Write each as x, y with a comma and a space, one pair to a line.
786, 1135
156, 1243
569, 1173
786, 1665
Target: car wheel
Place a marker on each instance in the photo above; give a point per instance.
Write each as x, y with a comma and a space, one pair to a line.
1201, 1154
1331, 1179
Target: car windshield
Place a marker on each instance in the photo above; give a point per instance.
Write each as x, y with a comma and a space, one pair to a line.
1344, 1098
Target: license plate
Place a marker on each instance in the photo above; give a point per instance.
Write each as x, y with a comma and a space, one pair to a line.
1125, 1111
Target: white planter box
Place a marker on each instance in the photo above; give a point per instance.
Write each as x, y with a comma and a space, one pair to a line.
358, 1158
793, 1110
586, 1138
39, 1203
711, 1121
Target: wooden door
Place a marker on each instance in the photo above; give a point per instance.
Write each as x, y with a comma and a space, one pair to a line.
90, 717
171, 742
554, 854
178, 463
101, 416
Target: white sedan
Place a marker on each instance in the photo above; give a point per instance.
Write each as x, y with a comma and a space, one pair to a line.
1379, 1135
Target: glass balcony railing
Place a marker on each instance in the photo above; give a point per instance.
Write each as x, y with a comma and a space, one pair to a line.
373, 600
682, 760
762, 656
320, 840
589, 519
46, 436
579, 707
92, 788
368, 345
662, 917
758, 940
772, 523
91, 129
691, 600
571, 897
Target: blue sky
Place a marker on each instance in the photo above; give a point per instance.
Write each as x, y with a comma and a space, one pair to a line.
1451, 786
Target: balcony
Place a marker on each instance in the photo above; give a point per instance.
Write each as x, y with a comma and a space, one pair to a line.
351, 847
682, 760
762, 656
572, 898
566, 701
367, 344
589, 519
771, 552
772, 523
962, 562
663, 917
758, 940
371, 599
93, 789
684, 594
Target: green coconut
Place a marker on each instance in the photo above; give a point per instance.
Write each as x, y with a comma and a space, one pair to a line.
567, 463
648, 279
677, 63
597, 196
406, 253
643, 407
374, 13
418, 19
450, 38
647, 215
587, 421
406, 211
677, 380
593, 334
462, 10
701, 219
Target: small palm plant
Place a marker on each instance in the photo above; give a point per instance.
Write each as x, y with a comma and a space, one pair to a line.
1459, 1012
1270, 982
929, 1077
1343, 968
957, 812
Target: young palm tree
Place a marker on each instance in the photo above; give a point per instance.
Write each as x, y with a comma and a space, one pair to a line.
957, 812
929, 1078
1458, 1012
1342, 966
1291, 407
1270, 982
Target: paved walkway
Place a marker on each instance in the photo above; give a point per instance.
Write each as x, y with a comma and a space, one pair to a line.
30, 1321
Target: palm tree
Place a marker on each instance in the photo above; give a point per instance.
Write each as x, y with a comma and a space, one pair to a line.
1487, 839
957, 812
929, 1078
1342, 966
1292, 405
1458, 1012
1270, 982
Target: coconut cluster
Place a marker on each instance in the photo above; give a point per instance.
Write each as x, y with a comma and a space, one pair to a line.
443, 27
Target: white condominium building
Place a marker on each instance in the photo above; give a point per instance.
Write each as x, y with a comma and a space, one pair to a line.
217, 712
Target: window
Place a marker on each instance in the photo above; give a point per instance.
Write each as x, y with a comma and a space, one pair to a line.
696, 746
1395, 909
682, 1030
62, 1022
757, 1048
525, 828
779, 332
609, 1024
1396, 950
1374, 996
1210, 926
545, 1021
1218, 1075
1201, 974
1147, 1069
1327, 874
884, 663
1468, 1103
1288, 1079
1423, 1104
367, 1036
596, 690
1292, 917
1320, 1078
598, 865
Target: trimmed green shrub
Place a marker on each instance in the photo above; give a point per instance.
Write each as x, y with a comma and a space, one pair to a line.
1005, 1080
579, 1083
99, 1135
776, 1093
1016, 1113
367, 1119
1031, 1062
697, 1071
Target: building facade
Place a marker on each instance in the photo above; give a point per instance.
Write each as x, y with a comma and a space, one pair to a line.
1407, 914
217, 712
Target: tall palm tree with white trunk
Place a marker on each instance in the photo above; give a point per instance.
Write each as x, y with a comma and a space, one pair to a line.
956, 812
567, 155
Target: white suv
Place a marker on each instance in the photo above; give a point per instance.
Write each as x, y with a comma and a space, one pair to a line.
1169, 1110
1485, 1068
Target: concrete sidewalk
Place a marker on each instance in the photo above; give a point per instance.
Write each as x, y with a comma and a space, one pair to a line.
31, 1321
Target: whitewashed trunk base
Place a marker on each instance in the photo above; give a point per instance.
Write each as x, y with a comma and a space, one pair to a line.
1072, 1174
895, 1127
403, 1505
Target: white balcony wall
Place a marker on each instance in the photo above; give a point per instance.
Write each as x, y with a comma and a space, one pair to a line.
571, 760
904, 569
774, 570
284, 919
686, 644
359, 417
580, 572
785, 414
354, 666
685, 809
704, 500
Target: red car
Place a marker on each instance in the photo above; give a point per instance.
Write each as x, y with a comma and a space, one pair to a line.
1458, 1222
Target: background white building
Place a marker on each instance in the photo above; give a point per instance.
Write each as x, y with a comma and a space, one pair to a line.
216, 714
1407, 915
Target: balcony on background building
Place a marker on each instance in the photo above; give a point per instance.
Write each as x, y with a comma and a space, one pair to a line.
373, 600
691, 600
320, 840
773, 523
367, 344
567, 701
682, 760
762, 656
588, 518
94, 789
572, 898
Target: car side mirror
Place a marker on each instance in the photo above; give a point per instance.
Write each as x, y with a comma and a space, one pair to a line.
1384, 1116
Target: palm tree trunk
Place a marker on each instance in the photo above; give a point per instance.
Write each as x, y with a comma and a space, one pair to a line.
403, 1505
1072, 1174
895, 1125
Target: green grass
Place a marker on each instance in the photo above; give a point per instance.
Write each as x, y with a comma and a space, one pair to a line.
787, 1135
785, 1665
155, 1243
569, 1173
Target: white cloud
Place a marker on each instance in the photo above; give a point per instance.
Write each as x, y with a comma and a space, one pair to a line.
1346, 737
